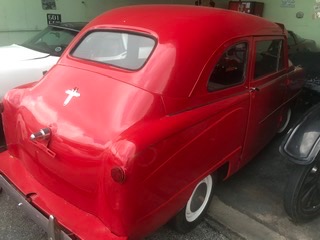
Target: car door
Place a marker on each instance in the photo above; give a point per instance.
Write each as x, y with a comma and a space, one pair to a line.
267, 91
229, 100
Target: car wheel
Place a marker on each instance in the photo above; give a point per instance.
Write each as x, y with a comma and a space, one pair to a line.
302, 192
285, 121
193, 213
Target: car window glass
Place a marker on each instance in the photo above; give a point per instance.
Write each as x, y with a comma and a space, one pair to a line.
230, 69
124, 50
269, 57
57, 37
52, 40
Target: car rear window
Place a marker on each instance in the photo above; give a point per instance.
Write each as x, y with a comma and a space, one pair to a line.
120, 49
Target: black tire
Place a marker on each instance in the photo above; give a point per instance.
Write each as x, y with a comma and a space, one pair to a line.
302, 192
285, 122
194, 211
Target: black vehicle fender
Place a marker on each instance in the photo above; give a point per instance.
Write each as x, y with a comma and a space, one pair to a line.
302, 143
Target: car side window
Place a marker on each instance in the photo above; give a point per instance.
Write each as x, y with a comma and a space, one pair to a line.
230, 69
269, 57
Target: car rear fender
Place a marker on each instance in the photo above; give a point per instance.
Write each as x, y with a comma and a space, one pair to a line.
302, 143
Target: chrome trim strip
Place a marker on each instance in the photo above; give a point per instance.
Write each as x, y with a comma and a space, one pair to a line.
51, 225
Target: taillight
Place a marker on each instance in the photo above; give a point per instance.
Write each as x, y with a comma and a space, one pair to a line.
118, 174
1, 107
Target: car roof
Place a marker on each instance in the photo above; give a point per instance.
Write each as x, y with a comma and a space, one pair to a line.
187, 38
161, 18
76, 26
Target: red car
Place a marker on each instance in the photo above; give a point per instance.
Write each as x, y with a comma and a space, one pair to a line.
145, 111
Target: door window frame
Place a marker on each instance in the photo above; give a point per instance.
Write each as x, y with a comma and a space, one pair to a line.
254, 54
228, 66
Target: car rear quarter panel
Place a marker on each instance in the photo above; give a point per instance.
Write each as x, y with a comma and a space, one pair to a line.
185, 147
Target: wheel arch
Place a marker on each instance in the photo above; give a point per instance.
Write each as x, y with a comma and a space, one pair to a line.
223, 172
302, 143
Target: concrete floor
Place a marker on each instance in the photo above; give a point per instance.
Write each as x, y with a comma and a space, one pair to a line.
15, 225
251, 201
254, 197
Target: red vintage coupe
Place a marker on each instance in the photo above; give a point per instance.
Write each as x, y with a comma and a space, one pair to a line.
146, 110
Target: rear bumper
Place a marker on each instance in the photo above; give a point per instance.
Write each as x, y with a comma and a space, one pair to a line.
50, 225
60, 219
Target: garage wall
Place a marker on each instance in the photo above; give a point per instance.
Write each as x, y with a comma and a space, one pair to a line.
307, 27
104, 5
21, 19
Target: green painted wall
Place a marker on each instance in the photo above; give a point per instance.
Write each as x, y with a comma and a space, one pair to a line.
20, 19
307, 27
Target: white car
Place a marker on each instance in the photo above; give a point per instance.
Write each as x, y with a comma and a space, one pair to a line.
21, 64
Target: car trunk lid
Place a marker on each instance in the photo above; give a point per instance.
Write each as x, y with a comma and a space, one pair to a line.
82, 113
19, 53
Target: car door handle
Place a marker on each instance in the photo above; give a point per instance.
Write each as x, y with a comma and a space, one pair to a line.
254, 89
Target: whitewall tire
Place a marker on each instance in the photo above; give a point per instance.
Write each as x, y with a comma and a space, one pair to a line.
194, 211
